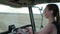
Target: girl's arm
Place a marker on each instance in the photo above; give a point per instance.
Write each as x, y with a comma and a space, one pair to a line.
47, 29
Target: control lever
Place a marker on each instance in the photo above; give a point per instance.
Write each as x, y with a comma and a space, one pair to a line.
11, 27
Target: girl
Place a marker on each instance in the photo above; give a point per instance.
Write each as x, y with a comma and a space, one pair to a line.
51, 12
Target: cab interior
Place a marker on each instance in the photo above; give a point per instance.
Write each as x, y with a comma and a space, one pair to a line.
23, 13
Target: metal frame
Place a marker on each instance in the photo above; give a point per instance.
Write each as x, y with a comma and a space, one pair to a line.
32, 20
41, 16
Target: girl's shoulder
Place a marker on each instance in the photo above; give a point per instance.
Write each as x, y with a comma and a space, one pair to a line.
57, 25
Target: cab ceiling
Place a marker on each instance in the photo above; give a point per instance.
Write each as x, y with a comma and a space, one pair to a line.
25, 3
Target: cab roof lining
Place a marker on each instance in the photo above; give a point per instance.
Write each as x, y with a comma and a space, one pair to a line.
25, 3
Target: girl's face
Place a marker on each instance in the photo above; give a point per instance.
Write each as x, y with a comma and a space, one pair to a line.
48, 13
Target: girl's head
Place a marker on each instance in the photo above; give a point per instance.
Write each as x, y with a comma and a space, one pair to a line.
51, 10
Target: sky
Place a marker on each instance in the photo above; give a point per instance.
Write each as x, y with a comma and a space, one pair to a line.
8, 9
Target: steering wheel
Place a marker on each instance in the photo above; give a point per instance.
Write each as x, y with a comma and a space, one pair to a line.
13, 30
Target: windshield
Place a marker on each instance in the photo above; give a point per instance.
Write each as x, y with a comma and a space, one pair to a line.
13, 16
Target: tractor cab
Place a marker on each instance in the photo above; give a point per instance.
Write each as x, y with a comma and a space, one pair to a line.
15, 14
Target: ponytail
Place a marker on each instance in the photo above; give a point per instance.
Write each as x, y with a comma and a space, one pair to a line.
57, 17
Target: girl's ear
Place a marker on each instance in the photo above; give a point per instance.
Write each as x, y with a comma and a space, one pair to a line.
51, 11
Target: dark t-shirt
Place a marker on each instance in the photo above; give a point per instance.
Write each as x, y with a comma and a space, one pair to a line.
57, 26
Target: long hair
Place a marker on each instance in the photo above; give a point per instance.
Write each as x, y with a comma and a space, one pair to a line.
55, 9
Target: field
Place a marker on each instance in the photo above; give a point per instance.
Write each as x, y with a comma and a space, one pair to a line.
19, 20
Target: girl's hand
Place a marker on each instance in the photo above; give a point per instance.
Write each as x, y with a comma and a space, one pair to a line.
20, 31
29, 30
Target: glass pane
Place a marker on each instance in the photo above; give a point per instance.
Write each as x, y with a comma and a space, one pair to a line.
40, 20
9, 16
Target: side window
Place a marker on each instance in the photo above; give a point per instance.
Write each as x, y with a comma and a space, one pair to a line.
38, 16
